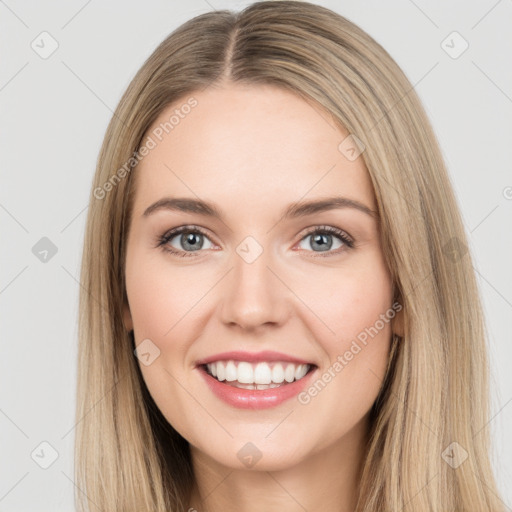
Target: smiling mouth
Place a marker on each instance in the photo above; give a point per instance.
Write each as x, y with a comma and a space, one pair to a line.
259, 376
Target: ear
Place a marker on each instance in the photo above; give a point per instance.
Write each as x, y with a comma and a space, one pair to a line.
127, 317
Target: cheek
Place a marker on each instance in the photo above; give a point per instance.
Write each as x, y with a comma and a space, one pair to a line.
162, 301
162, 308
350, 301
355, 305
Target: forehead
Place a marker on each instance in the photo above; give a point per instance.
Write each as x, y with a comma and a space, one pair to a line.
251, 146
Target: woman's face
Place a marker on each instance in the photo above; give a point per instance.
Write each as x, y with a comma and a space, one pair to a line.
256, 293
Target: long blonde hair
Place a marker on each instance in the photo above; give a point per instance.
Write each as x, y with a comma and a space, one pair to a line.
127, 456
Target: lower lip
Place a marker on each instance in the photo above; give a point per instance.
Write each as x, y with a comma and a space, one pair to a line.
255, 398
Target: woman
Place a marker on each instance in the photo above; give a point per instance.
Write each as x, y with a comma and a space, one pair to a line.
223, 363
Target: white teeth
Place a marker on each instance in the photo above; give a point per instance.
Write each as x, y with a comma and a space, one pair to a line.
231, 373
300, 371
245, 373
221, 372
289, 373
278, 373
260, 375
237, 384
266, 386
245, 386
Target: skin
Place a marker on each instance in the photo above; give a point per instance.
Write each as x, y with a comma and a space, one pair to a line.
253, 150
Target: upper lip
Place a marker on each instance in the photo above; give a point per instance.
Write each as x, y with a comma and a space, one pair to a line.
240, 355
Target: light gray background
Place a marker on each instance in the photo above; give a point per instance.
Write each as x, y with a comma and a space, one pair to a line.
54, 113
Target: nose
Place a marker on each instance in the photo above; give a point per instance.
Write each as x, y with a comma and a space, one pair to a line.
254, 294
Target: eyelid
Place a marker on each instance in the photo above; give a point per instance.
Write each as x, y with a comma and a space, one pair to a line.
328, 228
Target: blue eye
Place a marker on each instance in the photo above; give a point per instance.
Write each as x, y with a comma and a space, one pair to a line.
192, 240
321, 238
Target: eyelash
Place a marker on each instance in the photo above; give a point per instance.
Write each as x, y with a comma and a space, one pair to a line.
164, 239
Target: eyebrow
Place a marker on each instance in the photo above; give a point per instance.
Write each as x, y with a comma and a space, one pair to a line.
294, 210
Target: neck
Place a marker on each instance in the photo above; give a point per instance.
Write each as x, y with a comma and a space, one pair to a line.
326, 481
